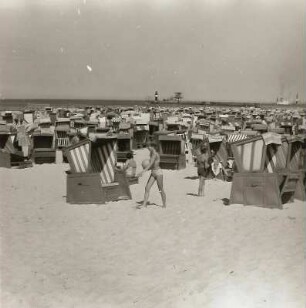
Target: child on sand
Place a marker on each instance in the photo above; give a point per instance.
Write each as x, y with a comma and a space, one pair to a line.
156, 175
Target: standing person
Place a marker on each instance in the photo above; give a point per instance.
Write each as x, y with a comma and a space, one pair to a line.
156, 175
203, 168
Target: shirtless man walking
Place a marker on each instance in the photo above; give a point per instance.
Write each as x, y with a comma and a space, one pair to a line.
156, 175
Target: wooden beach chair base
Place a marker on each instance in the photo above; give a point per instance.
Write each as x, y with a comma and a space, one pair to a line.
259, 189
268, 190
8, 160
300, 193
5, 160
86, 188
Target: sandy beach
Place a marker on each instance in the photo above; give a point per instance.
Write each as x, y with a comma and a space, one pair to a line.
206, 91
195, 253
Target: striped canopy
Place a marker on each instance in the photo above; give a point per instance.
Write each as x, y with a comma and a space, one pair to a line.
248, 154
103, 160
277, 156
236, 137
87, 157
259, 154
78, 157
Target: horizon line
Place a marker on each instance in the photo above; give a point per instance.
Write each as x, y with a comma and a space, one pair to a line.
146, 100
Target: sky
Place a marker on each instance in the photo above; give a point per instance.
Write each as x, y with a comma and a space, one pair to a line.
243, 50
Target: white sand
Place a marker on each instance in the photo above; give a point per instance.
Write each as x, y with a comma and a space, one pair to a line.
195, 253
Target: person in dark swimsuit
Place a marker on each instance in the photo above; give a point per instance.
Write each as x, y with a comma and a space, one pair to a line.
156, 175
203, 168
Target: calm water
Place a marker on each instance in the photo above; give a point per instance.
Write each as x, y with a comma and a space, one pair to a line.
23, 104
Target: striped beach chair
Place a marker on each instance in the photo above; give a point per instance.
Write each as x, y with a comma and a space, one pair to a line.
233, 137
287, 160
263, 178
283, 159
296, 164
249, 154
92, 177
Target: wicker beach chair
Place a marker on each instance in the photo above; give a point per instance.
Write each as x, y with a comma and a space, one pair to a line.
62, 130
93, 177
140, 135
286, 159
171, 149
43, 147
263, 178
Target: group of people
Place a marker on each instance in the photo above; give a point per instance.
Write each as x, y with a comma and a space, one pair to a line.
207, 166
155, 176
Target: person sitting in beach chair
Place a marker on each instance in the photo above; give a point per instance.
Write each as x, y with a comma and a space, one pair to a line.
75, 139
130, 166
228, 170
79, 136
218, 170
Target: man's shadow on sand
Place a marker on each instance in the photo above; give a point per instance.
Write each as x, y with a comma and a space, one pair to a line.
192, 194
225, 201
139, 204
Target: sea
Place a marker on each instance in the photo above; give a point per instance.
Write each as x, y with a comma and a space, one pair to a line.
36, 104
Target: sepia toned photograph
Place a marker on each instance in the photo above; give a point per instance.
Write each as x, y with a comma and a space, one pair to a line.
152, 153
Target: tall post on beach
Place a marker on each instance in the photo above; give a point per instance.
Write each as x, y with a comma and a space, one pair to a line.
178, 96
156, 96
